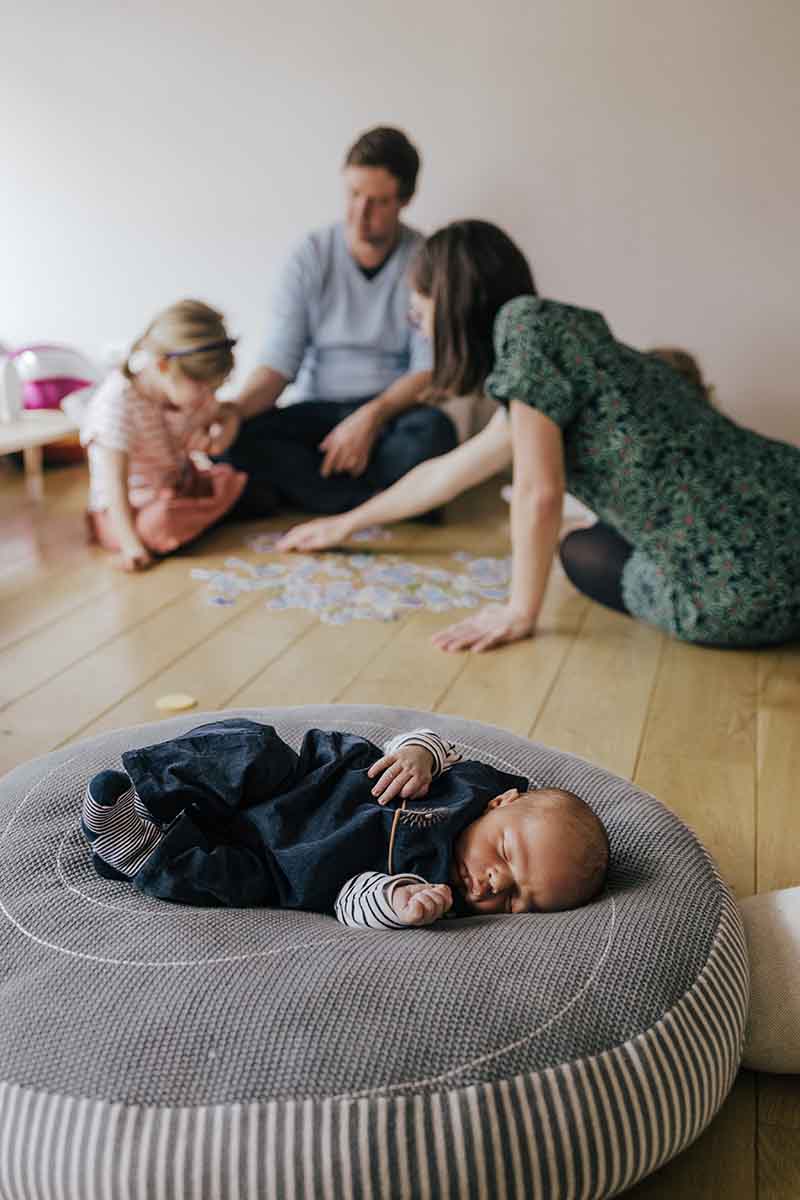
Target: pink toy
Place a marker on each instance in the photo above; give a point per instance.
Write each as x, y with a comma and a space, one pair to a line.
49, 373
42, 375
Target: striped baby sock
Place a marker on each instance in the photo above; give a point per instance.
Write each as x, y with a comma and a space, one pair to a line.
118, 827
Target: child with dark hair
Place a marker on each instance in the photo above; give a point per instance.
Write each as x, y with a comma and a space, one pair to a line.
228, 814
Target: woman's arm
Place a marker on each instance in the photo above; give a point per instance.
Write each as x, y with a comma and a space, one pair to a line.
536, 506
427, 486
114, 465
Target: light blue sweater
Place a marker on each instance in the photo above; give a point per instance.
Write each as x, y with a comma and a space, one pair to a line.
337, 334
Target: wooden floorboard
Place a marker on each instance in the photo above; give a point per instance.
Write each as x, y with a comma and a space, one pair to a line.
712, 733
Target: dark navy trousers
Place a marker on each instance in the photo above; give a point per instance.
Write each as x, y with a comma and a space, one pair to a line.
279, 449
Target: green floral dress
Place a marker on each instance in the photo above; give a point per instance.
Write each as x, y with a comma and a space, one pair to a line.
712, 510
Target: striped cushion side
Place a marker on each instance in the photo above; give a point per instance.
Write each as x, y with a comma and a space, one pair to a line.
587, 1129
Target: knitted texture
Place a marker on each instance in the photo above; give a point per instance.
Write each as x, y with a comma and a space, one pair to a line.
114, 998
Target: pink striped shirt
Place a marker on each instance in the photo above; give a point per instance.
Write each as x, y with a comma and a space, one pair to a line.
150, 433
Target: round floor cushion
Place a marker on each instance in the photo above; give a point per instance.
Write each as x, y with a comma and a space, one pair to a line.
155, 1050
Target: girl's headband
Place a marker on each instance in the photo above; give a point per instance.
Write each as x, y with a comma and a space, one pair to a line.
139, 359
221, 344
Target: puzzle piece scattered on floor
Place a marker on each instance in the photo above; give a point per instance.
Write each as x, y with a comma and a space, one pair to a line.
357, 587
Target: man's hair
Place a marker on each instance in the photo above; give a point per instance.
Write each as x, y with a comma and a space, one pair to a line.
470, 269
389, 148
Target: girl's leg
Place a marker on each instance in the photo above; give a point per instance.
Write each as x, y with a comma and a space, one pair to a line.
175, 520
593, 560
172, 521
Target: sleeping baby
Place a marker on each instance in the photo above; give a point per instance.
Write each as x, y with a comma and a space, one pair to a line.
228, 814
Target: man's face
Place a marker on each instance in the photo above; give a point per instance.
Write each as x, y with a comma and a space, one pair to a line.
373, 207
515, 858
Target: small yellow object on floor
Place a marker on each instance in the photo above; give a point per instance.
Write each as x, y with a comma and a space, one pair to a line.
175, 702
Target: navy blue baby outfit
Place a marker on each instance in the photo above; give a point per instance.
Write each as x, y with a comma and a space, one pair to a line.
245, 820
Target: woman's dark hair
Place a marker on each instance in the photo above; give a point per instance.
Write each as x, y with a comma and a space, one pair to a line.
389, 148
469, 269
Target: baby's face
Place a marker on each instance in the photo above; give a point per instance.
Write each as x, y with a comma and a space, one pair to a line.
519, 856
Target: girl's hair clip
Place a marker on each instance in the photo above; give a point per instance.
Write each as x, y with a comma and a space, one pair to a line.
139, 359
221, 344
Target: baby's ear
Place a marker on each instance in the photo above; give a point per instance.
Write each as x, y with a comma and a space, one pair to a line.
504, 798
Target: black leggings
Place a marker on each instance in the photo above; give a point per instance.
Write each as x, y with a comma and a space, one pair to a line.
594, 560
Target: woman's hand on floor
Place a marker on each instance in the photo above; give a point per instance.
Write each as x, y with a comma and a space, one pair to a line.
317, 535
421, 903
493, 625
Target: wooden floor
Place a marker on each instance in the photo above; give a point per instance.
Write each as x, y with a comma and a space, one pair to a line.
712, 733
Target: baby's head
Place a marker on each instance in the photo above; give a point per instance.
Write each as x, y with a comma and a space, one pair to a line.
537, 851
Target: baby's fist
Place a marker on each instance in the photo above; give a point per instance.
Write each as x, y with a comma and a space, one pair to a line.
421, 903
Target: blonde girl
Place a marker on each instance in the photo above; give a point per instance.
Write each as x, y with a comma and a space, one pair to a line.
147, 495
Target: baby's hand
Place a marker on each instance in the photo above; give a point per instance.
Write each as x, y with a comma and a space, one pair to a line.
421, 903
407, 774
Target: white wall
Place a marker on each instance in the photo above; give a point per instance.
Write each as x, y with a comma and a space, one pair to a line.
643, 154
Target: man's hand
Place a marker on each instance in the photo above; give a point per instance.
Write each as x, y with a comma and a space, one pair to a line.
349, 444
407, 774
421, 903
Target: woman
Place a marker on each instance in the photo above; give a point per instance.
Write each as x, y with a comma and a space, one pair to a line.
699, 519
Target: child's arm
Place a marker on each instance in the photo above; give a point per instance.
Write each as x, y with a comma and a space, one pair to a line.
133, 555
411, 761
377, 901
444, 753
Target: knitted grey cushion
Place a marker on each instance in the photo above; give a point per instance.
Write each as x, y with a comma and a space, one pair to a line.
163, 1051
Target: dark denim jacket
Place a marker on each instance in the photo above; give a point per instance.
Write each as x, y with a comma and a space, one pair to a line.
250, 822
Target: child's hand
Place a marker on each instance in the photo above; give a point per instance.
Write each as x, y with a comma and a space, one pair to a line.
224, 430
421, 903
407, 774
216, 435
133, 559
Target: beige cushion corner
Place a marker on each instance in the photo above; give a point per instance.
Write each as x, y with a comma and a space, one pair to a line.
772, 926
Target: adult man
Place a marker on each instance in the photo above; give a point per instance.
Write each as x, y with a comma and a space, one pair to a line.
341, 334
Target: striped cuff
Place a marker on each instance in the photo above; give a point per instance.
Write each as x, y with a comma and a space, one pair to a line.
444, 753
365, 900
